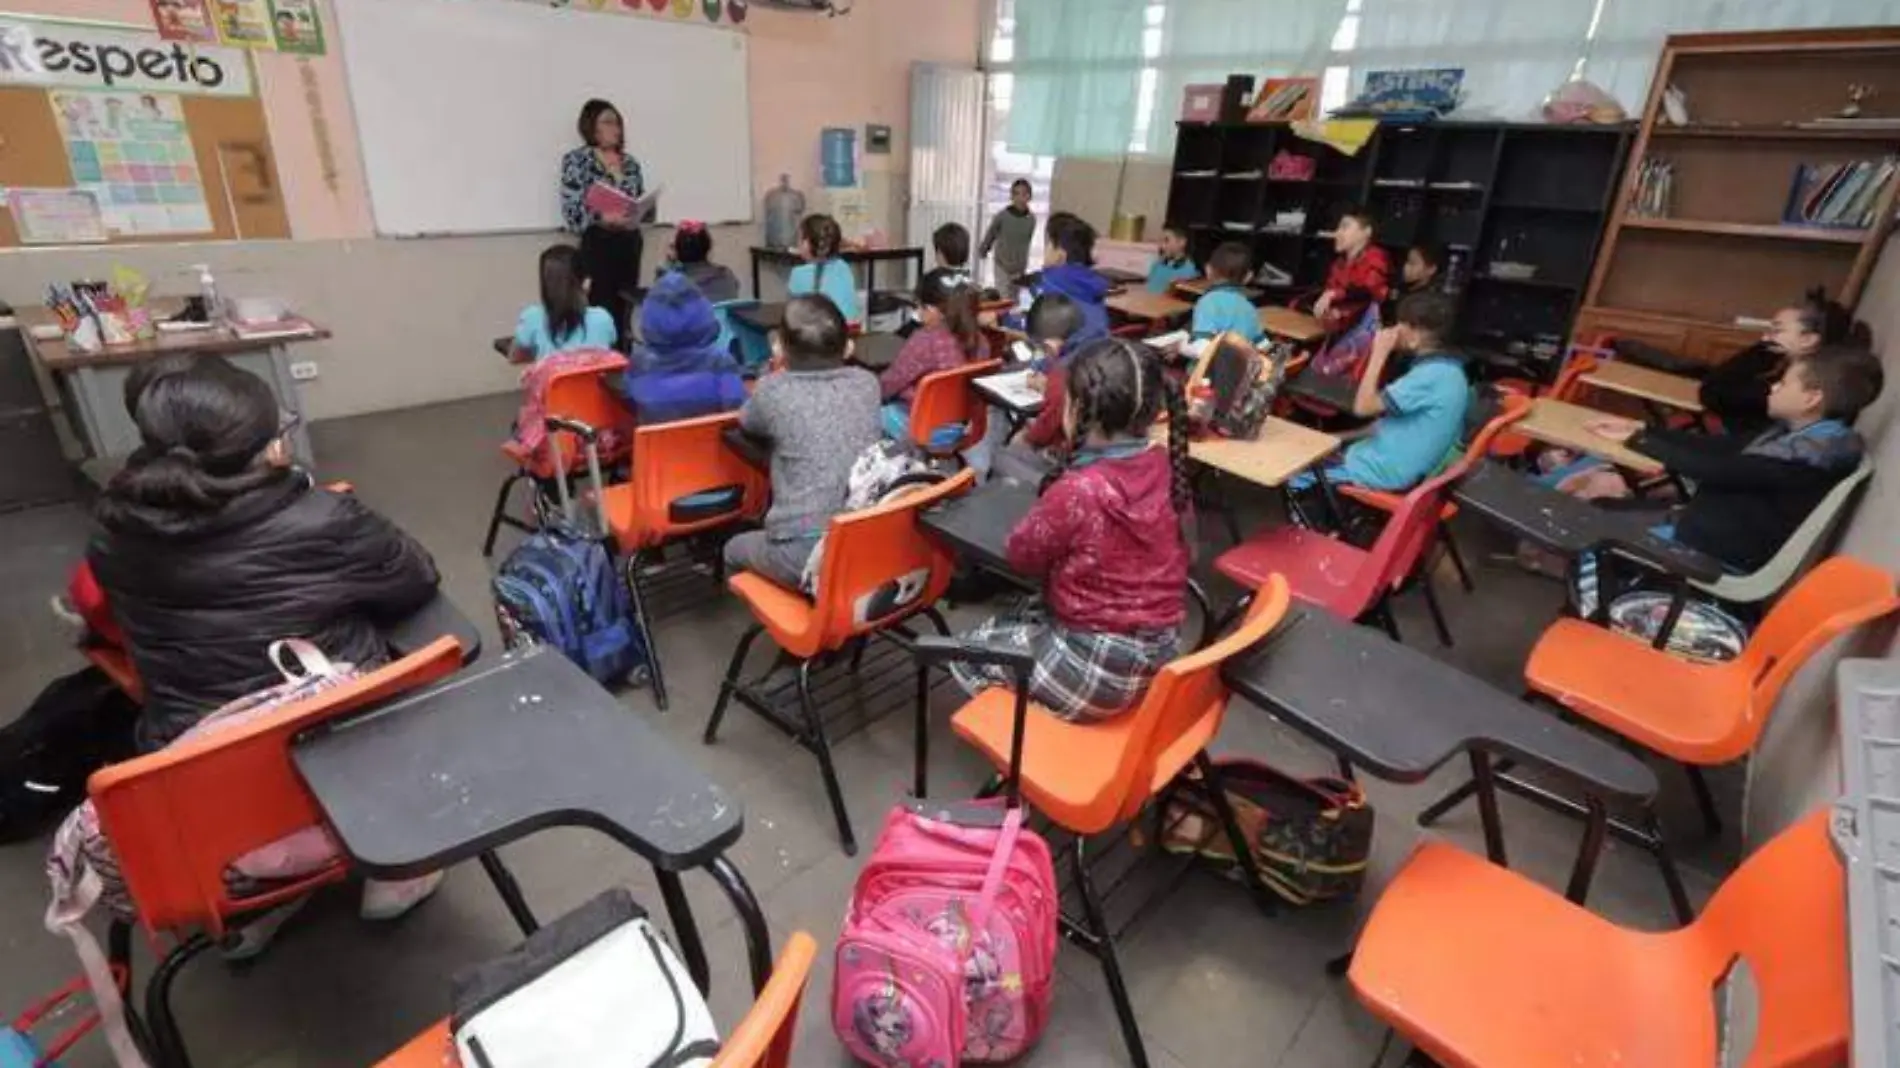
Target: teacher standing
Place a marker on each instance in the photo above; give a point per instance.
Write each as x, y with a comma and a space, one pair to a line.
611, 244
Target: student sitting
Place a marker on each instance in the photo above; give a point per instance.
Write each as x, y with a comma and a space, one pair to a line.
950, 338
679, 371
1420, 415
818, 413
1423, 272
692, 245
563, 321
212, 546
1107, 540
951, 243
1054, 322
1224, 308
1359, 276
1736, 390
824, 271
1069, 269
1752, 491
1172, 263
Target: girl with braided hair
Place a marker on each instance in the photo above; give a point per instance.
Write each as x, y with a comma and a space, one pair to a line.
1109, 540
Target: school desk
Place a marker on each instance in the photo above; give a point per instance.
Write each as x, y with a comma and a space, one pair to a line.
1009, 392
1399, 714
1333, 392
491, 755
1282, 450
92, 384
875, 352
1647, 384
1148, 307
869, 257
976, 525
1295, 326
751, 448
1543, 516
764, 317
1196, 288
439, 617
1122, 276
1556, 422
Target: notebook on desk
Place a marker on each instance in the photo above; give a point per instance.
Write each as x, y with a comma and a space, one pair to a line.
1012, 388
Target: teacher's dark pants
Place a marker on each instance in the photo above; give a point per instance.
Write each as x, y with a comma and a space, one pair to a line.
611, 259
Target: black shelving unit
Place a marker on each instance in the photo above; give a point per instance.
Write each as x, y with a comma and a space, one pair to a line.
1491, 192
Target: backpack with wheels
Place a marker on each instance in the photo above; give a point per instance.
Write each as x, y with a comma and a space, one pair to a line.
77, 725
948, 950
560, 588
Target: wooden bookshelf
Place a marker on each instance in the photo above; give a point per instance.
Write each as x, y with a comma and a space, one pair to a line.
1727, 249
1527, 192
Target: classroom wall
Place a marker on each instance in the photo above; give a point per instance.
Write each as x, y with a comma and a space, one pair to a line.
1797, 764
413, 318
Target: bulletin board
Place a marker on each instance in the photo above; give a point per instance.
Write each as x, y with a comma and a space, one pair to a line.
229, 140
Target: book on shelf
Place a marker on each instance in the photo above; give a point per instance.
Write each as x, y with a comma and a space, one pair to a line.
1655, 188
1839, 195
1285, 100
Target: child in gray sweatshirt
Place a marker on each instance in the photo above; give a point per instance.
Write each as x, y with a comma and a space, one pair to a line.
818, 414
1009, 236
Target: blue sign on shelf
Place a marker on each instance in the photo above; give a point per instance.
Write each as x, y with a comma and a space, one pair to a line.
1433, 92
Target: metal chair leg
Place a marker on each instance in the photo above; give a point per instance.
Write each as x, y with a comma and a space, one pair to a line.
501, 511
731, 681
1105, 951
1236, 838
158, 1002
1383, 613
937, 620
645, 622
821, 746
1457, 558
1705, 800
1666, 861
1438, 612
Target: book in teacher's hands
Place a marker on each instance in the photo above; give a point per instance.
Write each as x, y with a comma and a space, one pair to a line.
604, 199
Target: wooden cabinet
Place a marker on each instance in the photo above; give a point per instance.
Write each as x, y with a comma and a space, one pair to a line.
1709, 343
1729, 243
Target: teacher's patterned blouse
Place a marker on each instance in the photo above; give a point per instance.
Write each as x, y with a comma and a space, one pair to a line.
580, 169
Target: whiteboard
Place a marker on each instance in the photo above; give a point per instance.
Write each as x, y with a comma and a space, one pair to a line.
464, 108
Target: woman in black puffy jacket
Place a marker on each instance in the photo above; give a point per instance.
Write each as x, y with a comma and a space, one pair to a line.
212, 546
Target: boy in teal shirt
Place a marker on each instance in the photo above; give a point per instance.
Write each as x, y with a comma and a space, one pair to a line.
1225, 308
1421, 414
1172, 263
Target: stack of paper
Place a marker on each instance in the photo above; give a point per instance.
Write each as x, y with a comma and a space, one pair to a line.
1013, 389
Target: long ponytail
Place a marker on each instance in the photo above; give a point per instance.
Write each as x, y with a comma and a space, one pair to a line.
823, 236
203, 433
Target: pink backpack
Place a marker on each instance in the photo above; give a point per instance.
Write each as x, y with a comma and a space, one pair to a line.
948, 950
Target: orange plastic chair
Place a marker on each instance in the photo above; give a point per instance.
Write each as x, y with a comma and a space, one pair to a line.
879, 570
580, 396
177, 818
762, 1040
1350, 582
946, 415
1699, 715
1090, 777
684, 481
1513, 408
1480, 967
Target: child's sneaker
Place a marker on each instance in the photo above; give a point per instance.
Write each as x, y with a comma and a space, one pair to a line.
251, 940
384, 901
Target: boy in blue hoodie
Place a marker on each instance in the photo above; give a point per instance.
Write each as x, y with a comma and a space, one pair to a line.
1069, 269
679, 371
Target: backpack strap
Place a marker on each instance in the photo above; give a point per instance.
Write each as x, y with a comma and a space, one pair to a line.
76, 888
999, 866
299, 660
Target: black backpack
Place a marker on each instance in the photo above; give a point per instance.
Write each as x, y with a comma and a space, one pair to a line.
77, 725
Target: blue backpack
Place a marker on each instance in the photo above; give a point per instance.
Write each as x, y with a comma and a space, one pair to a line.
562, 589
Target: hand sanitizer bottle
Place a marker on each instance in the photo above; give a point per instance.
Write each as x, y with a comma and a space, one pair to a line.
208, 290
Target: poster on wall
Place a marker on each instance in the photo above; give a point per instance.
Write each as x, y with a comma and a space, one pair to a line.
298, 27
133, 153
56, 216
184, 20
52, 54
244, 23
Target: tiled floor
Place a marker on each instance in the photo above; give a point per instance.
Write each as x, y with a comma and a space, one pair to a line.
1216, 984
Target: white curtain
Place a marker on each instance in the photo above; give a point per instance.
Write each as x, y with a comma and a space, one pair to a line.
947, 151
1077, 70
1204, 41
1630, 33
1514, 52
